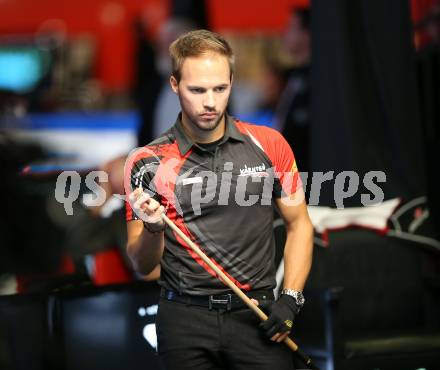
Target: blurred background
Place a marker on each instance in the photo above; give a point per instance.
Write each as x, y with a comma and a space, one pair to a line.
354, 85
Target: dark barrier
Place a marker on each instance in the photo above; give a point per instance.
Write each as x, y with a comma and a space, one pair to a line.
81, 328
23, 332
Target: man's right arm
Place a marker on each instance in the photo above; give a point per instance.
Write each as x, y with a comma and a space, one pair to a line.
145, 244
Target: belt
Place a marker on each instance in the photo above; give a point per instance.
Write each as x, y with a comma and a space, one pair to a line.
226, 302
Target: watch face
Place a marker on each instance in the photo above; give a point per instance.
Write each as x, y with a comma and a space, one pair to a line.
300, 299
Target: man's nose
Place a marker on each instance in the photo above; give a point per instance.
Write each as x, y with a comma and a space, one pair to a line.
209, 101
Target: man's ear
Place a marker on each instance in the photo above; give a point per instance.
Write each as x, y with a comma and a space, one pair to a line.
174, 84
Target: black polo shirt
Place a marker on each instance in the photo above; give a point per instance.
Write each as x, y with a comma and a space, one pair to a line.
222, 198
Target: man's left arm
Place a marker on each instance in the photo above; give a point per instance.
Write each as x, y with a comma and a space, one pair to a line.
298, 252
298, 249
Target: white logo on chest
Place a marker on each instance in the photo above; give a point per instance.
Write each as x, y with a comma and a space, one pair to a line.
259, 170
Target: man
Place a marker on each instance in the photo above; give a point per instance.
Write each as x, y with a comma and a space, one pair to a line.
219, 179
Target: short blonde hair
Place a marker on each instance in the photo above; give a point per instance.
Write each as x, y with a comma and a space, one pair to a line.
197, 43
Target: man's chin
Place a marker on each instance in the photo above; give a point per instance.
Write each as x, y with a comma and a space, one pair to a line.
209, 125
204, 126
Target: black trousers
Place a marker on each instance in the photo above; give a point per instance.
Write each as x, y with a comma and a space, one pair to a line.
196, 338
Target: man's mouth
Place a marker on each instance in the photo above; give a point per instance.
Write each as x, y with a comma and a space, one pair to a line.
208, 115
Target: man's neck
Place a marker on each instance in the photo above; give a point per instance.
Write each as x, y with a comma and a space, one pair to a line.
202, 136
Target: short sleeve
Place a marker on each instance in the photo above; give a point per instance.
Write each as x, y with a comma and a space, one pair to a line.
287, 177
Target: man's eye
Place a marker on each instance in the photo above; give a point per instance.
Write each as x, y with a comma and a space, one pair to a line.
197, 91
220, 89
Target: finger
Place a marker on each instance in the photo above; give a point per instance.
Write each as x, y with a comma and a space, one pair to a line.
153, 212
143, 198
133, 195
273, 330
146, 211
155, 216
153, 207
254, 301
275, 337
139, 197
137, 193
283, 337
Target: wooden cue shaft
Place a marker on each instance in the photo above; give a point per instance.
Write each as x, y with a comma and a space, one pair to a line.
289, 342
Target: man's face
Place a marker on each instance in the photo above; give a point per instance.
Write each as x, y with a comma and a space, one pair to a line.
203, 91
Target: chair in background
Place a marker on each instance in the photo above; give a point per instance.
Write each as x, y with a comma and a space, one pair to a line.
372, 302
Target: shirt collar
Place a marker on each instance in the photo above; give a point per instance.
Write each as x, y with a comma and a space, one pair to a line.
185, 143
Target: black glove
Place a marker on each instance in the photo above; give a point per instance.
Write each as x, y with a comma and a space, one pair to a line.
281, 315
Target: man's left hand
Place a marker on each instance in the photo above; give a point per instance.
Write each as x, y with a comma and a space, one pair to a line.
281, 315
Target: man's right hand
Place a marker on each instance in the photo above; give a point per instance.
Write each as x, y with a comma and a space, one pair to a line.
147, 209
145, 236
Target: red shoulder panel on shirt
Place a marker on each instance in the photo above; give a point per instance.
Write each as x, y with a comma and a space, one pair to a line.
278, 150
